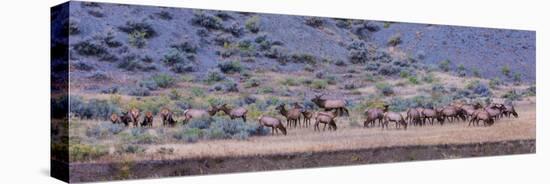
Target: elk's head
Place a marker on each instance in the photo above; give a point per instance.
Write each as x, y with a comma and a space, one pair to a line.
318, 100
280, 107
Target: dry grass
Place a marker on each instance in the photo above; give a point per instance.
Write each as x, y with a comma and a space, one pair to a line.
305, 140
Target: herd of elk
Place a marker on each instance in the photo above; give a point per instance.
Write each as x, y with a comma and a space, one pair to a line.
332, 109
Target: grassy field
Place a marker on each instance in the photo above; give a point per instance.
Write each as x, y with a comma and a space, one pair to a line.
350, 135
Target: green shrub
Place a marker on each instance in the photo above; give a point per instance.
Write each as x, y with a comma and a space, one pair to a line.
331, 79
185, 45
445, 65
512, 95
385, 88
404, 74
253, 24
413, 80
93, 109
506, 70
214, 75
141, 27
475, 72
461, 70
252, 82
172, 57
139, 91
140, 135
175, 94
517, 78
131, 149
495, 82
163, 80
137, 39
90, 48
319, 84
130, 65
230, 67
199, 123
189, 134
205, 20
303, 58
314, 22
164, 15
394, 40
389, 70
265, 90
429, 78
183, 68
197, 92
290, 81
530, 91
83, 152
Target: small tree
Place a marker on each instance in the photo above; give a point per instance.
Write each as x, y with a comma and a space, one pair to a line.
444, 65
517, 78
506, 70
475, 72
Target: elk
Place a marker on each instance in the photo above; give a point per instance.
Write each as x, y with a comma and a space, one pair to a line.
393, 117
468, 110
510, 110
291, 116
273, 123
114, 118
134, 114
495, 110
239, 112
413, 116
483, 115
328, 105
431, 115
451, 112
167, 117
147, 120
307, 114
325, 118
373, 115
196, 113
126, 118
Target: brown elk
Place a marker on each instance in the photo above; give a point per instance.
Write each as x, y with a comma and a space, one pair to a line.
483, 115
328, 105
114, 118
393, 117
468, 110
239, 112
510, 110
125, 118
134, 114
273, 123
451, 113
414, 116
292, 116
495, 110
197, 113
325, 118
147, 120
167, 117
307, 114
431, 115
373, 115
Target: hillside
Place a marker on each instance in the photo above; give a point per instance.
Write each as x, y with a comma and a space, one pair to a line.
216, 36
136, 55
